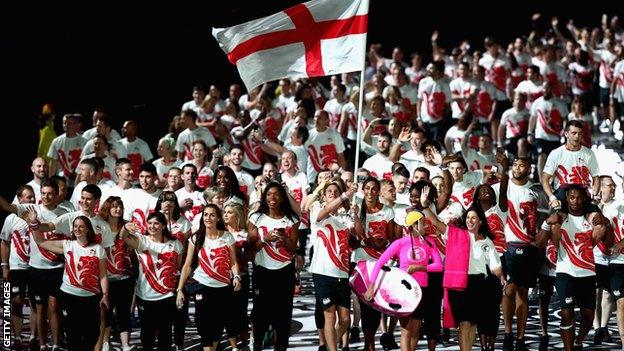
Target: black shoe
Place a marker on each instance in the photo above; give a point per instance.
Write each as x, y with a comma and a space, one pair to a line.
577, 347
346, 348
543, 343
598, 336
446, 336
322, 348
384, 341
606, 335
354, 335
520, 346
392, 344
508, 342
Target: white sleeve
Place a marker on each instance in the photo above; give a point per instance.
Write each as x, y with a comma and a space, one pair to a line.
339, 143
53, 150
5, 234
314, 211
63, 225
493, 258
594, 169
146, 152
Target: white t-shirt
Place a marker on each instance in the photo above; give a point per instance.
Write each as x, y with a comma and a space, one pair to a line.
253, 153
180, 228
198, 202
377, 227
462, 87
516, 122
352, 116
581, 78
496, 70
138, 205
184, 143
118, 263
108, 172
521, 223
614, 211
272, 255
478, 161
245, 182
82, 268
115, 149
379, 166
39, 257
606, 76
555, 73
64, 224
463, 191
299, 187
618, 73
571, 167
36, 189
496, 219
15, 231
323, 149
91, 133
67, 152
138, 152
575, 255
532, 90
549, 114
158, 268
213, 261
331, 243
333, 109
434, 94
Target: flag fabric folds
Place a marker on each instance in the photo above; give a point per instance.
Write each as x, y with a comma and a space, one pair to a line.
316, 38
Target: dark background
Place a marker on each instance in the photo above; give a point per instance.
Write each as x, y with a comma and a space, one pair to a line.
141, 63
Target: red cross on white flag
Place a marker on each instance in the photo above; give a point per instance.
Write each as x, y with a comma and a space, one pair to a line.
316, 38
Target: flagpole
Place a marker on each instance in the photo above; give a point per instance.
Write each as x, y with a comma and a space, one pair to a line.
359, 119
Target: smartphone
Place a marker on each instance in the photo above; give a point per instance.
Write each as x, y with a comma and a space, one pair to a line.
361, 178
384, 122
278, 177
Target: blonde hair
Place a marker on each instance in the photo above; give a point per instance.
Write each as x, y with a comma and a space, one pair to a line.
240, 213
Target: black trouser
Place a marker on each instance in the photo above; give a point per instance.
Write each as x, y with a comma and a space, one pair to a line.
240, 301
273, 303
213, 307
179, 323
81, 318
121, 292
156, 317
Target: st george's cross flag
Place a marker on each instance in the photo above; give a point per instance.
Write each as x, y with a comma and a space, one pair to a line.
316, 38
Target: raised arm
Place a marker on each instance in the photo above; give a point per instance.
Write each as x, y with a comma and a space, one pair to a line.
54, 246
445, 195
504, 184
404, 137
130, 239
424, 202
336, 203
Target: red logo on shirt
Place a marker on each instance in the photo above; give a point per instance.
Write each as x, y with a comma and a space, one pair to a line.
377, 230
495, 223
217, 264
120, 263
276, 250
584, 256
21, 245
161, 275
578, 175
337, 245
85, 275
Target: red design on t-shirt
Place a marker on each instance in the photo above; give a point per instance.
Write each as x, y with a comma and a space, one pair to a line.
377, 230
161, 275
68, 164
483, 105
435, 104
21, 245
495, 223
498, 77
136, 159
584, 257
280, 252
579, 175
87, 275
528, 212
337, 245
120, 263
50, 256
217, 264
553, 123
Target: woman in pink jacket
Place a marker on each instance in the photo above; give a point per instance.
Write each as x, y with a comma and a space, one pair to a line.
416, 256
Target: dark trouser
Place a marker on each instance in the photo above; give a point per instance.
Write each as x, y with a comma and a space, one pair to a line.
213, 306
121, 292
156, 317
273, 302
240, 301
81, 317
179, 323
432, 320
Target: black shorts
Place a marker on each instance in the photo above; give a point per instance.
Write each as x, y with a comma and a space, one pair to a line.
580, 292
303, 241
521, 264
546, 285
45, 283
603, 97
467, 305
18, 278
331, 291
603, 277
511, 144
616, 281
545, 146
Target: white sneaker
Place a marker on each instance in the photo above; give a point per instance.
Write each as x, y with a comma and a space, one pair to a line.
619, 134
130, 348
105, 346
616, 126
605, 126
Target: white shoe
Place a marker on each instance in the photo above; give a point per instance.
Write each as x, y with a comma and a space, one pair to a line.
105, 346
130, 348
616, 126
605, 126
619, 134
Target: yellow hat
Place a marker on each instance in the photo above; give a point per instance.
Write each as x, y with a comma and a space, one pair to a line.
412, 218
